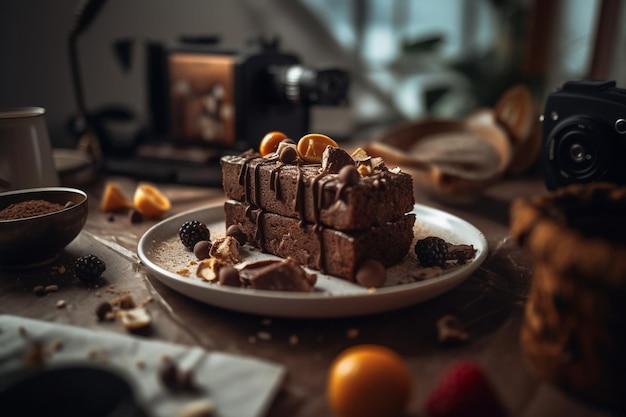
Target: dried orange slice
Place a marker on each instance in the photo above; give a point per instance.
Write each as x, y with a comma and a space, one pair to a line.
312, 146
269, 143
114, 198
150, 202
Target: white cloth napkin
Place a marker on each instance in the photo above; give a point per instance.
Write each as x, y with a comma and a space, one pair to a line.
238, 386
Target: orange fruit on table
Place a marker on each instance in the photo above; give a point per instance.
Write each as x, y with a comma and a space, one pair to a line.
114, 198
150, 202
368, 381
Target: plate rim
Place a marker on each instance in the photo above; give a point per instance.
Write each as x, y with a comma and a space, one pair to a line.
176, 281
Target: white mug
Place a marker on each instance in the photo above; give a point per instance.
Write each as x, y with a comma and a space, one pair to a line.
26, 159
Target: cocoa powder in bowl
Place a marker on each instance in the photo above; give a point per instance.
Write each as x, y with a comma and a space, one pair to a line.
39, 239
29, 208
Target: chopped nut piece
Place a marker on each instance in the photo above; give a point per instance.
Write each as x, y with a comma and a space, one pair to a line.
208, 269
359, 154
226, 249
61, 304
450, 330
135, 319
51, 288
364, 170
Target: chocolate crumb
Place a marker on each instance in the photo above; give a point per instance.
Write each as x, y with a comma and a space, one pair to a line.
202, 249
39, 290
103, 309
186, 381
134, 216
127, 302
168, 375
236, 232
450, 331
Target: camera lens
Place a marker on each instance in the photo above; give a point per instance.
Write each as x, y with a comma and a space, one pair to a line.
577, 153
302, 85
579, 150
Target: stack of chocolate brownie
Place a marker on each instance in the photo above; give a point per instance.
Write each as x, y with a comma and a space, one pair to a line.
330, 216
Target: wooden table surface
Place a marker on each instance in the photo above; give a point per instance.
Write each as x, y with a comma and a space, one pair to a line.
489, 304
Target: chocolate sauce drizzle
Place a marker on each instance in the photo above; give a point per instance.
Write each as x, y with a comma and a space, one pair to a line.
250, 172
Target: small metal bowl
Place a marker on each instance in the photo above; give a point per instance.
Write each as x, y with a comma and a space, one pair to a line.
38, 240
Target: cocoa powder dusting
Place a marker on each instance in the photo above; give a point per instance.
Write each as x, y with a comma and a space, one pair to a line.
29, 208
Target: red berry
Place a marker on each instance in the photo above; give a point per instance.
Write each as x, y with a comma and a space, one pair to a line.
464, 390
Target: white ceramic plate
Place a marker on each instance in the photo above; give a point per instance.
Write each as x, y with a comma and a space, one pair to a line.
160, 252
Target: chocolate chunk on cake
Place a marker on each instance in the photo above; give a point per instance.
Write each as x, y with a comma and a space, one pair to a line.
317, 204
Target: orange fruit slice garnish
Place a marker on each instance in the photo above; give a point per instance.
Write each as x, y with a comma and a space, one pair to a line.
150, 202
269, 143
114, 198
312, 146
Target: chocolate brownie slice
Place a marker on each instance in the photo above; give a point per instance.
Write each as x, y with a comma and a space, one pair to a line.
331, 251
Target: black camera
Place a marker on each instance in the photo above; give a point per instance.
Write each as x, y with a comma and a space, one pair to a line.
203, 94
584, 134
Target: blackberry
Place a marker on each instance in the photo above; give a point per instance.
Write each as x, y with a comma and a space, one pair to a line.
431, 251
192, 232
89, 268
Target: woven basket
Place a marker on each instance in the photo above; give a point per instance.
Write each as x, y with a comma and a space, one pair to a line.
574, 329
